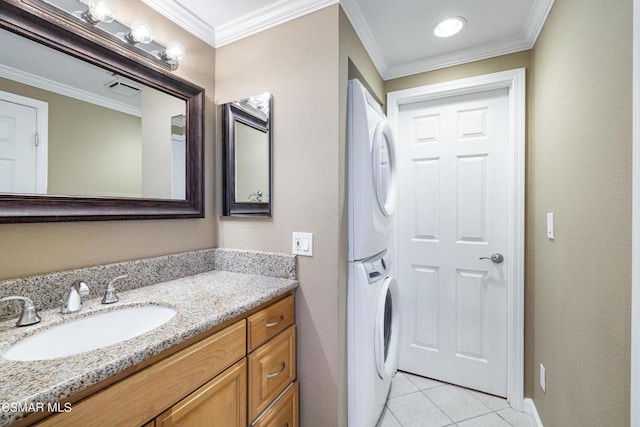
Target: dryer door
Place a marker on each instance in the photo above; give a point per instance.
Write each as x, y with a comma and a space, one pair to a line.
384, 168
386, 330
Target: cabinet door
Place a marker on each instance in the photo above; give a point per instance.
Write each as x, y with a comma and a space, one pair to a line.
138, 398
219, 403
284, 412
272, 367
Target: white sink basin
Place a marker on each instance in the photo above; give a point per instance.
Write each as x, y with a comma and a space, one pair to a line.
89, 333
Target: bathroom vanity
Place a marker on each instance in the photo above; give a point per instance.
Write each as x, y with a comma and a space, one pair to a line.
207, 380
228, 356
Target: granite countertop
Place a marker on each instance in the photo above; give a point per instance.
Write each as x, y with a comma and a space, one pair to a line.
201, 301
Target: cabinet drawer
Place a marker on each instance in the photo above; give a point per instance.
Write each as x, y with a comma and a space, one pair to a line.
143, 395
268, 322
284, 412
272, 368
219, 403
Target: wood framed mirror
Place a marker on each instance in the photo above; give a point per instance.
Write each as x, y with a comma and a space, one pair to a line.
158, 174
247, 157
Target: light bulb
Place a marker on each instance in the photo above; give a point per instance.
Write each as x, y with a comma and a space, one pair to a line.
139, 33
174, 51
99, 11
449, 27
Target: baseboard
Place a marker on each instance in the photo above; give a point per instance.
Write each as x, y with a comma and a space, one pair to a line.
530, 408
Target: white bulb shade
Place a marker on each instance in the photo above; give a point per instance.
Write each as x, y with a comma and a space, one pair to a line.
174, 51
101, 11
449, 27
140, 33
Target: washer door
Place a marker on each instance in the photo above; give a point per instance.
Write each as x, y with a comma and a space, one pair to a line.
386, 330
384, 168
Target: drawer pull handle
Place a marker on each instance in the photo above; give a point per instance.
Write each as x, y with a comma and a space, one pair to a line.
275, 374
272, 324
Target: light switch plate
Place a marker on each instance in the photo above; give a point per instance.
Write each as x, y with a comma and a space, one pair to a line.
302, 244
551, 233
543, 378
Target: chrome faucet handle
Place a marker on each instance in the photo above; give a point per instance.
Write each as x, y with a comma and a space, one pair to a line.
110, 295
73, 301
29, 315
81, 287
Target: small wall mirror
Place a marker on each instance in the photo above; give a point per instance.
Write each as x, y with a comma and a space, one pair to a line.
247, 157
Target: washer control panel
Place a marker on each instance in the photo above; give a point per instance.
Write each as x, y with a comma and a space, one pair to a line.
377, 267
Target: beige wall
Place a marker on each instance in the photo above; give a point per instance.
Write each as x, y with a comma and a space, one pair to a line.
28, 249
92, 151
298, 63
580, 169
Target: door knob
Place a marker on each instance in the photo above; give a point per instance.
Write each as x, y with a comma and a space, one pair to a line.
497, 258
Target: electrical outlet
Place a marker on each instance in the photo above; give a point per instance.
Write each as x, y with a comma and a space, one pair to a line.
543, 378
302, 244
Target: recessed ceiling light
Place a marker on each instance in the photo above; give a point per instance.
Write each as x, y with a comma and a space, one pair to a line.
449, 27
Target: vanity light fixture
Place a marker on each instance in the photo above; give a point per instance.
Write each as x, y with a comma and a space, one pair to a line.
449, 27
98, 17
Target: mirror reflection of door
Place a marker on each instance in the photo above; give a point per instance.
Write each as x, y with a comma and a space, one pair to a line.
252, 164
178, 158
23, 145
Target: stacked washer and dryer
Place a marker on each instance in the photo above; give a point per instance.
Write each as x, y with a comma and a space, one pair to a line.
372, 298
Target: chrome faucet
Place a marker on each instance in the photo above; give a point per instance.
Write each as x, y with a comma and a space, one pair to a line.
73, 301
110, 295
29, 315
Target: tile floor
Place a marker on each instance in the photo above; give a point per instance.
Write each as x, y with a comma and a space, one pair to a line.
420, 402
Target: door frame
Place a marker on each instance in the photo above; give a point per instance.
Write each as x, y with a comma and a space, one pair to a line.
635, 226
515, 82
42, 128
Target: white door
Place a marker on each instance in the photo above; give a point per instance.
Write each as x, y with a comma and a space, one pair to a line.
17, 148
453, 194
178, 167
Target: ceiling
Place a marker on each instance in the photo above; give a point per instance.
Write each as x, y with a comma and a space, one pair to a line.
397, 34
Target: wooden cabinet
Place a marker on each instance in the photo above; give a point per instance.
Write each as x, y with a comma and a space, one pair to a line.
212, 382
268, 322
272, 367
219, 403
142, 396
283, 412
272, 363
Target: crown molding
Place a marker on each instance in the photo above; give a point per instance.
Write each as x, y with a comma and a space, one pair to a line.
456, 58
286, 10
267, 17
66, 90
176, 12
537, 18
362, 28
